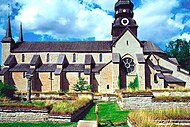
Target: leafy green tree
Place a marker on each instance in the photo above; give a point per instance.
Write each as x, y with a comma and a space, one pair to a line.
179, 49
7, 90
82, 85
135, 84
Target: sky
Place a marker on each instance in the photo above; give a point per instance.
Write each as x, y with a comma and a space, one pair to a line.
159, 21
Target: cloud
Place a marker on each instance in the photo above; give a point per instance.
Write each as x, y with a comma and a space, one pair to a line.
158, 22
63, 19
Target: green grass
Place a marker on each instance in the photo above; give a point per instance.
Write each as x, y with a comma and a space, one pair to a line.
39, 124
109, 114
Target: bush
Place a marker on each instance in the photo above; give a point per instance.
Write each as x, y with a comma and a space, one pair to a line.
81, 85
135, 84
7, 90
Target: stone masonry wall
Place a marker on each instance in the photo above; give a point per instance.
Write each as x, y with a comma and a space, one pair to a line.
148, 103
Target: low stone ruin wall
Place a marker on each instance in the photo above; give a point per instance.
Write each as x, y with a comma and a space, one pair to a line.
146, 102
40, 115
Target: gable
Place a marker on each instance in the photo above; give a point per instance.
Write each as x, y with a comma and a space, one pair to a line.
127, 43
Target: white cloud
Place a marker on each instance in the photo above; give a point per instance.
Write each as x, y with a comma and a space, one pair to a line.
62, 19
185, 36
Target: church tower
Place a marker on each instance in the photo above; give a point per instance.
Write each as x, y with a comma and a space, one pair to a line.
123, 18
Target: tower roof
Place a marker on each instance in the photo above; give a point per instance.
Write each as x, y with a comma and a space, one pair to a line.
125, 3
8, 36
21, 35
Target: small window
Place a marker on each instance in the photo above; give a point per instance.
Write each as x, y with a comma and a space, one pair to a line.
108, 87
100, 57
23, 58
155, 78
48, 57
74, 57
24, 75
127, 43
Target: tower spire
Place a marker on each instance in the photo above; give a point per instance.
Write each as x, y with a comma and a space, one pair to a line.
8, 31
21, 35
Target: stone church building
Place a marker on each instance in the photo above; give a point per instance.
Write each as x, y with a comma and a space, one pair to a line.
56, 66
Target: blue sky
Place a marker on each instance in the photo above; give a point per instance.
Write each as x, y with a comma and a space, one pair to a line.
159, 21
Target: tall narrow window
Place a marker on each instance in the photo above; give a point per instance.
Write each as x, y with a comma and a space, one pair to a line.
74, 57
48, 57
23, 58
127, 43
108, 87
155, 78
100, 57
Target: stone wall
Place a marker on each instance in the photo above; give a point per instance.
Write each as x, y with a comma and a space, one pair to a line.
31, 115
146, 102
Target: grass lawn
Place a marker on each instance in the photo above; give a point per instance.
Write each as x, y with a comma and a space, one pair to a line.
109, 115
39, 124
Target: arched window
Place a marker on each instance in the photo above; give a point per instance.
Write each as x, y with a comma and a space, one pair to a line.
23, 58
48, 57
100, 57
108, 87
74, 57
155, 78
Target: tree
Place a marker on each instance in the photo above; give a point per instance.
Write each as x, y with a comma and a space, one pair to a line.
179, 49
82, 85
135, 84
7, 90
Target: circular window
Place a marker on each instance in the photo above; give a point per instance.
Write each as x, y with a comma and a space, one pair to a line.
125, 21
129, 64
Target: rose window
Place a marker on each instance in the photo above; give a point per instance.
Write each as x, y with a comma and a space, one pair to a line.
129, 64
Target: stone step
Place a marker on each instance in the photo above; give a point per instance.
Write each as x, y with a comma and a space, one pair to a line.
85, 123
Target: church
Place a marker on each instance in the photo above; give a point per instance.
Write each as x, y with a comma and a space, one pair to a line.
56, 66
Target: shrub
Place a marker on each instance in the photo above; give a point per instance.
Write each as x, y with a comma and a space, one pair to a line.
81, 85
7, 90
135, 84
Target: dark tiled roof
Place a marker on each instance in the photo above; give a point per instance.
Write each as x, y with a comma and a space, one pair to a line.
98, 68
58, 71
10, 61
89, 60
30, 71
61, 59
20, 68
165, 70
36, 60
161, 76
140, 58
2, 72
171, 79
47, 68
150, 47
74, 68
80, 46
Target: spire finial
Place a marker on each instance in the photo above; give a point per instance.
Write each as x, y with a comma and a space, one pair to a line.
21, 35
8, 31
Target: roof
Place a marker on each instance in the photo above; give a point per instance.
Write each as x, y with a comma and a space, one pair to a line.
140, 58
171, 79
89, 60
150, 47
58, 71
47, 68
20, 68
61, 59
36, 60
3, 71
74, 68
161, 76
10, 61
77, 46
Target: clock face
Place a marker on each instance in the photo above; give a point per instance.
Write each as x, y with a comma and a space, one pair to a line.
125, 21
